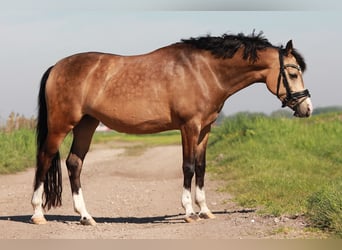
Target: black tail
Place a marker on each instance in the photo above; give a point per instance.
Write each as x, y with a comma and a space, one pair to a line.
53, 179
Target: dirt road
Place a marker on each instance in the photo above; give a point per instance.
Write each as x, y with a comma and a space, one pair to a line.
134, 197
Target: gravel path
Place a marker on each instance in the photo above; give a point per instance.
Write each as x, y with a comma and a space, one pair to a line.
134, 197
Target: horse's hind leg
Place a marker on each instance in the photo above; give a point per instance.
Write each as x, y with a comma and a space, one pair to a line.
83, 133
47, 162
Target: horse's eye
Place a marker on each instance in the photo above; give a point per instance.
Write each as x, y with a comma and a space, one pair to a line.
293, 76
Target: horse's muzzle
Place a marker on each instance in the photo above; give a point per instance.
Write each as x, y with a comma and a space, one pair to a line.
303, 108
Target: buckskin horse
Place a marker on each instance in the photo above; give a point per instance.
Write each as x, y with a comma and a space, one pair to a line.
181, 86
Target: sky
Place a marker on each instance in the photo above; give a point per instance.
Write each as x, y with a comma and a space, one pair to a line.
35, 34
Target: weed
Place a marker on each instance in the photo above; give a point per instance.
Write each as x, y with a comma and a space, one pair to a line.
324, 208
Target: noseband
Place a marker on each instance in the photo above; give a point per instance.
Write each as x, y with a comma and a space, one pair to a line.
291, 97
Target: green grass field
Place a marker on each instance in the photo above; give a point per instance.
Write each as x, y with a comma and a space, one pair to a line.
282, 166
18, 150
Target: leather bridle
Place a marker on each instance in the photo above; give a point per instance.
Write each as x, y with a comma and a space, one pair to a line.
292, 98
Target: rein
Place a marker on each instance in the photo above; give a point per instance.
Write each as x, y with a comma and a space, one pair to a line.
291, 97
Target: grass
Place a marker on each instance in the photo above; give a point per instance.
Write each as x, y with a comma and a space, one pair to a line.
325, 208
278, 164
18, 150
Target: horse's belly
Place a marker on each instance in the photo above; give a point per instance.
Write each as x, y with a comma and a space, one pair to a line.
136, 120
136, 126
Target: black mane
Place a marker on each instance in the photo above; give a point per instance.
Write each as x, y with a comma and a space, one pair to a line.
226, 46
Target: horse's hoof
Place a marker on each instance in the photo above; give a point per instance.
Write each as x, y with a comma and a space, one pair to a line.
38, 220
192, 218
207, 215
88, 222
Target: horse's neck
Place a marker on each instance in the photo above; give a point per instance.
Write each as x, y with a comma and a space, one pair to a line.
237, 73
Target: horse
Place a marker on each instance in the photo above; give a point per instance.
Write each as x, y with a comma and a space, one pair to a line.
182, 86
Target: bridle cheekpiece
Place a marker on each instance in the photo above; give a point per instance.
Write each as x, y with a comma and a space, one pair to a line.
291, 97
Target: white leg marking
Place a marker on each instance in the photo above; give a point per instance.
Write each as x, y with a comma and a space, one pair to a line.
79, 205
80, 208
187, 202
200, 200
37, 201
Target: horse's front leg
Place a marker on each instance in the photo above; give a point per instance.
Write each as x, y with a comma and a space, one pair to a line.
200, 199
188, 172
189, 138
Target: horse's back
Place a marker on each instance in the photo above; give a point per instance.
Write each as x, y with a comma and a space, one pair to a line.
122, 92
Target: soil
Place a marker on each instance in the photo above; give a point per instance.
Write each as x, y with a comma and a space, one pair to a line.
135, 197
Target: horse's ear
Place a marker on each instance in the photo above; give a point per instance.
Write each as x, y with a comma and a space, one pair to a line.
289, 47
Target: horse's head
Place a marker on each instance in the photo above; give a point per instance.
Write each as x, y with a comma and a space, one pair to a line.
289, 86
